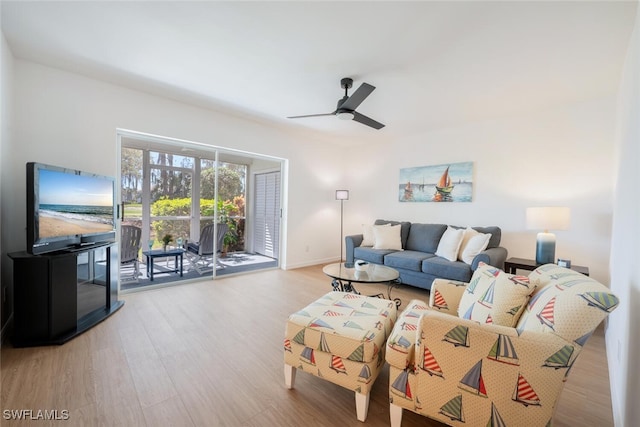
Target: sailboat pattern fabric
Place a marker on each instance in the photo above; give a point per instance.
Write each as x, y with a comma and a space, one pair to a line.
465, 372
557, 305
494, 296
341, 338
401, 342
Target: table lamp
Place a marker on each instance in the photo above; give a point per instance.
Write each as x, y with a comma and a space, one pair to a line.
547, 218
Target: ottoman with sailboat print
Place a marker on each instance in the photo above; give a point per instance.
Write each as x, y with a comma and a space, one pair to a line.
340, 338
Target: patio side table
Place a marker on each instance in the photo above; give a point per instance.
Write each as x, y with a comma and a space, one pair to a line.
177, 253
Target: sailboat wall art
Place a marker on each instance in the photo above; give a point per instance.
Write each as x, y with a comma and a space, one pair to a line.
451, 182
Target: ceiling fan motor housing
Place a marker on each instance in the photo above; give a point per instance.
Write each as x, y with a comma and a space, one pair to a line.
346, 83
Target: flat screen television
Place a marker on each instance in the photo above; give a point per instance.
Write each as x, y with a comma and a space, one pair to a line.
68, 209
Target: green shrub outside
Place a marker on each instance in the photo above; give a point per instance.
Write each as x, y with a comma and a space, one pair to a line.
182, 207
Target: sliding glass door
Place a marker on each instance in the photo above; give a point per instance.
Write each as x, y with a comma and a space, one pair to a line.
156, 195
172, 194
231, 188
170, 198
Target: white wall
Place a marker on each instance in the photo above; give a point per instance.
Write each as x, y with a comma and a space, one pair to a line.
6, 91
69, 120
623, 340
562, 157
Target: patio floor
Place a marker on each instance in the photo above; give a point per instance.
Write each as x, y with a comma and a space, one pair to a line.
163, 269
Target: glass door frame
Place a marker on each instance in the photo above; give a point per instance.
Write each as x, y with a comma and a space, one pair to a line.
147, 217
155, 143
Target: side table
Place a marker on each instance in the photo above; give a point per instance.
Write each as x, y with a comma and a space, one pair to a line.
512, 264
177, 253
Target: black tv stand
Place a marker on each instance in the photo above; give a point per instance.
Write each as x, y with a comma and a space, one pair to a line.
60, 295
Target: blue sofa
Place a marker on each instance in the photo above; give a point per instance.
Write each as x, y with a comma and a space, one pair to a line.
417, 263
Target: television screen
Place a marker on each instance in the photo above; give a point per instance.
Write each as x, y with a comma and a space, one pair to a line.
74, 204
67, 207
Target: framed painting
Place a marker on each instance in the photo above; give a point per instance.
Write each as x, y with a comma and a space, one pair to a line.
452, 182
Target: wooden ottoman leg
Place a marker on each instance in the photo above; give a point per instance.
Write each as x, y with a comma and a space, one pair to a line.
395, 413
289, 376
362, 406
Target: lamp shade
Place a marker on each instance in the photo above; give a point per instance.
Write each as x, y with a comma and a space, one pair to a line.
548, 218
342, 194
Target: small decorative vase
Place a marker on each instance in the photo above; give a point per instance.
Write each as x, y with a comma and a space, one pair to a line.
164, 248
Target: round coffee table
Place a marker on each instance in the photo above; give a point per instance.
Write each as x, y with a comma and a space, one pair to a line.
344, 278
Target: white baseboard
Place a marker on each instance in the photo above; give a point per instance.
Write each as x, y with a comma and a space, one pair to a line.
309, 263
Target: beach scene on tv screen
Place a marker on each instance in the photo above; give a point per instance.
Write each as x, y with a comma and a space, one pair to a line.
74, 204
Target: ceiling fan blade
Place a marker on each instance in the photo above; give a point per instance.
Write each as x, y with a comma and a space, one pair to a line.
358, 96
361, 118
312, 115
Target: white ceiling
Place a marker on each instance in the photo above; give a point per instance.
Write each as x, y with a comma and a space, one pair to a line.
434, 64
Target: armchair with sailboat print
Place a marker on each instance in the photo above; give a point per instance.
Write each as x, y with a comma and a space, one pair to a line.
454, 365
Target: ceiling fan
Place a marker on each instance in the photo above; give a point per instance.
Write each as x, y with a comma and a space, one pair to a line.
346, 109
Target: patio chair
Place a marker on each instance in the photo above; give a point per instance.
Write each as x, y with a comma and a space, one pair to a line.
201, 254
129, 248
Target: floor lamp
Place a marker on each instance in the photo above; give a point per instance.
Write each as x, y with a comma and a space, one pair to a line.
341, 195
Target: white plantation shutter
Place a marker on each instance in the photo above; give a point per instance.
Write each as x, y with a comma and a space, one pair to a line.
267, 220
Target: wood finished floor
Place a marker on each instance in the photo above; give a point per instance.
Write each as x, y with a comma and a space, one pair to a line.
210, 354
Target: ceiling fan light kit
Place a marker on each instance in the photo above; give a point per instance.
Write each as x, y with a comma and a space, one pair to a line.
346, 108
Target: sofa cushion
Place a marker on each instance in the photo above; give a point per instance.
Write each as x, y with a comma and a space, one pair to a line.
440, 267
368, 237
387, 237
472, 244
404, 229
425, 237
494, 296
496, 235
450, 244
375, 256
408, 260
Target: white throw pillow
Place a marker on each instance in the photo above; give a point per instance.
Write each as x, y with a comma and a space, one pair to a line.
468, 234
387, 237
450, 243
472, 244
368, 237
